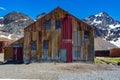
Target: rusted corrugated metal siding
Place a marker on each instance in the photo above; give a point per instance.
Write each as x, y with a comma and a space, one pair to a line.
59, 38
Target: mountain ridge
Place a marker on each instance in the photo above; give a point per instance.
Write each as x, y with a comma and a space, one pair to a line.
12, 26
105, 27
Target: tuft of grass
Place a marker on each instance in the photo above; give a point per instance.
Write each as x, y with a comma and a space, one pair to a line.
104, 60
96, 60
115, 60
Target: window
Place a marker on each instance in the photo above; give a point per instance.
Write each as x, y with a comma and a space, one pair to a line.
47, 24
45, 44
57, 24
76, 38
33, 45
86, 35
77, 53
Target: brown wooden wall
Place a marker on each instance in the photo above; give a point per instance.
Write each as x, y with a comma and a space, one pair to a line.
36, 32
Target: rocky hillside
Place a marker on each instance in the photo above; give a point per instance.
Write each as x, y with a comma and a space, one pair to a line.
105, 27
13, 24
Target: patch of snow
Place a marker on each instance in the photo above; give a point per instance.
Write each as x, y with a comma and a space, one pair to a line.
108, 32
8, 37
1, 25
16, 20
21, 20
16, 38
104, 38
114, 26
100, 14
103, 28
96, 22
117, 43
112, 33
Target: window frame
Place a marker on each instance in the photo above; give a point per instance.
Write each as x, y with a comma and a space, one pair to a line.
47, 24
57, 23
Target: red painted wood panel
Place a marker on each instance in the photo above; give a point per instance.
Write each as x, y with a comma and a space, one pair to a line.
3, 44
67, 27
68, 47
15, 54
67, 37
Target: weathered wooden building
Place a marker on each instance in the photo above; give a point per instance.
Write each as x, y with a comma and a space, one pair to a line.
14, 51
59, 36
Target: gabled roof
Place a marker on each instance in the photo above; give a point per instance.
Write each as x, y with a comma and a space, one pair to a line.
61, 10
14, 42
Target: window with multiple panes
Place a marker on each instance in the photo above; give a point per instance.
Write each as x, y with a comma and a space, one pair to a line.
47, 24
76, 38
86, 35
57, 24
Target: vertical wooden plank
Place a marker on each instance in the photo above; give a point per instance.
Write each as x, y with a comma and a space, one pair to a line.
92, 45
82, 45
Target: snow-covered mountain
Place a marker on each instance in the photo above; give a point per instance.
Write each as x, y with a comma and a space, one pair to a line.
12, 25
105, 27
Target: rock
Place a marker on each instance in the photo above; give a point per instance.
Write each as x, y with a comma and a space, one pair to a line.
14, 24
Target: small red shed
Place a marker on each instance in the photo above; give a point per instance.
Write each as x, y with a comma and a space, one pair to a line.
115, 52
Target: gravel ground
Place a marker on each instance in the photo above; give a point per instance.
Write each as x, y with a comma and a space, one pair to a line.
60, 71
94, 75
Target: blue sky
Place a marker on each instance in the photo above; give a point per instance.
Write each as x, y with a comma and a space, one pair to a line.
79, 8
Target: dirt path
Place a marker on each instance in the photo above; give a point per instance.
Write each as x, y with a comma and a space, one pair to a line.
52, 71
